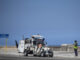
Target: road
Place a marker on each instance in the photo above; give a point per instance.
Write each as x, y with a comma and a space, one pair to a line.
10, 57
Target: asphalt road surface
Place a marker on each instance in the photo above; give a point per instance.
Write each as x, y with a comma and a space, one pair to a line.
10, 57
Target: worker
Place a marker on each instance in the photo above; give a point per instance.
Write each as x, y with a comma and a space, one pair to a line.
75, 48
39, 47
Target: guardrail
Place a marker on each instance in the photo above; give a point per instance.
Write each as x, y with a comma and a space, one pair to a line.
63, 48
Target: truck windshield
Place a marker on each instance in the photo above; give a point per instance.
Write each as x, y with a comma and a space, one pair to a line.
27, 40
38, 41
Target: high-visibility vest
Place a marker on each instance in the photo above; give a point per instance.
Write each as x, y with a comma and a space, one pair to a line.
75, 46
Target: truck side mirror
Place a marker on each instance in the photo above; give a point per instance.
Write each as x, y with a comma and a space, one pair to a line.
45, 43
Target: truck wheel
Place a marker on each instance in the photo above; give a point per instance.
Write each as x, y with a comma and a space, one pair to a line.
25, 53
34, 55
51, 55
42, 54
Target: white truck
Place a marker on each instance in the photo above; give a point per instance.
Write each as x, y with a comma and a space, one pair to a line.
35, 45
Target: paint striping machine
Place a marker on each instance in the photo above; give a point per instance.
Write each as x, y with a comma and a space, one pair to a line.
35, 45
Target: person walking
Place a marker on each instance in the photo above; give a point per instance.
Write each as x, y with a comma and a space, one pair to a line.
75, 48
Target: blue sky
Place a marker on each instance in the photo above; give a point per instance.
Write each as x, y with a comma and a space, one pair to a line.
57, 20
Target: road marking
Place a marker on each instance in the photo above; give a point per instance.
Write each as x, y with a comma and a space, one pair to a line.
25, 58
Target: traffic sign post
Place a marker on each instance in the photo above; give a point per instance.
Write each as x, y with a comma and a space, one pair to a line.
6, 43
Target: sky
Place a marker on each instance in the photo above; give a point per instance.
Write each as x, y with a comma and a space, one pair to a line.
57, 20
